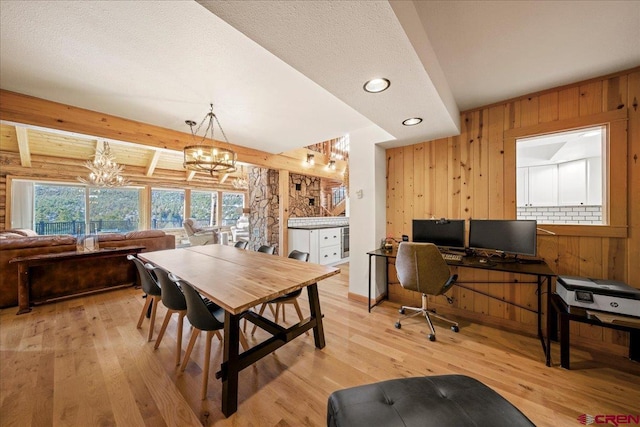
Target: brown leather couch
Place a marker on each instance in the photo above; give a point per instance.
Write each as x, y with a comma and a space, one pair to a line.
70, 277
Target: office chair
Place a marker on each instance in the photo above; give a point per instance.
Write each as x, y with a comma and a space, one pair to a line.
421, 268
152, 292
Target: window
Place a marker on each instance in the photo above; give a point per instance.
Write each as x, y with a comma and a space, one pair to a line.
58, 209
114, 210
167, 208
560, 177
232, 204
54, 208
204, 207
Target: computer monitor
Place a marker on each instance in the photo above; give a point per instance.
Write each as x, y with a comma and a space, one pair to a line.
444, 233
516, 237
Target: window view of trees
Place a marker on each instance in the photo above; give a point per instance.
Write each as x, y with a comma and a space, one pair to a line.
63, 209
114, 209
204, 206
167, 208
232, 204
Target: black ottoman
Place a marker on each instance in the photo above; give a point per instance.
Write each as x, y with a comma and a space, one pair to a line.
445, 400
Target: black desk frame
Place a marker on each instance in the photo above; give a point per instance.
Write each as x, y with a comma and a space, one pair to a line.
577, 314
541, 271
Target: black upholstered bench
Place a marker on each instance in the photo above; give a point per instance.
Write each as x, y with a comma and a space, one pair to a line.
445, 400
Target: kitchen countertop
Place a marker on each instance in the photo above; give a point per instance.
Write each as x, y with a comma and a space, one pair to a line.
315, 227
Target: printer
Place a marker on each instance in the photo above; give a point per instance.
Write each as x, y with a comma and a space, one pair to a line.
598, 294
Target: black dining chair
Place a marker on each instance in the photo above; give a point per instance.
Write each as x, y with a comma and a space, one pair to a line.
241, 244
173, 299
203, 316
267, 249
152, 292
290, 298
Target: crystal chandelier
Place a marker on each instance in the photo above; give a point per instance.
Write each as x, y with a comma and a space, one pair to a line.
241, 182
204, 157
105, 172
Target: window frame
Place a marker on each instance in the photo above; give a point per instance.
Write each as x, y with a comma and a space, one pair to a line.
614, 203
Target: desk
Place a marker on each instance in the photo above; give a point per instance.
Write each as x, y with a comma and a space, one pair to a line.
25, 263
540, 270
237, 280
578, 314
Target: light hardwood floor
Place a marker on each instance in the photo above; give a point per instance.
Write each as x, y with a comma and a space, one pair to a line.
82, 362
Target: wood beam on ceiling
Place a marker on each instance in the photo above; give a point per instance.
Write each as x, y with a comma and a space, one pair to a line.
153, 162
23, 146
29, 110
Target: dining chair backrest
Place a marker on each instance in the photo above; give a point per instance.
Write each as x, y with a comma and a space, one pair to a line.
199, 315
241, 244
267, 249
172, 296
148, 283
300, 256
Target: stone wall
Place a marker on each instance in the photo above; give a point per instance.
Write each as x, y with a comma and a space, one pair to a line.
304, 196
264, 226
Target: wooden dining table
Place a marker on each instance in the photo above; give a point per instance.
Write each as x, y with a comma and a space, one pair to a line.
237, 280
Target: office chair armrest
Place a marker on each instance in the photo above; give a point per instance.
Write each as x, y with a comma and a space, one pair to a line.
450, 283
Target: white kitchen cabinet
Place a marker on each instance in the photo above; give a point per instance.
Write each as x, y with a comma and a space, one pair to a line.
572, 183
537, 186
323, 245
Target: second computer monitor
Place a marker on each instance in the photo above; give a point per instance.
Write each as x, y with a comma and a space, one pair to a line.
515, 237
444, 233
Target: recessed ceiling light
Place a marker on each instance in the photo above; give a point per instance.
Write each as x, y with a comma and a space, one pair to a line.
377, 85
412, 121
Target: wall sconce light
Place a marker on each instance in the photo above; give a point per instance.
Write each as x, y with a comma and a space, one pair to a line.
310, 160
332, 165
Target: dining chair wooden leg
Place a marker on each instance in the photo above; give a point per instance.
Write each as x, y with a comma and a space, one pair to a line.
205, 370
181, 315
243, 341
147, 301
154, 302
194, 336
262, 308
167, 317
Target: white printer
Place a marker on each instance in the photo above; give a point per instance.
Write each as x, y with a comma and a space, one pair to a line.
596, 294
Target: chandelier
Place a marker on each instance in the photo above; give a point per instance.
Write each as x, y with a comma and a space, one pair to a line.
105, 172
241, 182
204, 157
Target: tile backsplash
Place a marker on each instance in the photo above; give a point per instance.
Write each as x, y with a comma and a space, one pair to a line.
562, 214
338, 221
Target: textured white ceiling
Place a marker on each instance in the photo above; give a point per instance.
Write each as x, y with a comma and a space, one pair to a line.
286, 74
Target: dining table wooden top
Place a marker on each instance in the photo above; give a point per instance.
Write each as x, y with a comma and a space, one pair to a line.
238, 279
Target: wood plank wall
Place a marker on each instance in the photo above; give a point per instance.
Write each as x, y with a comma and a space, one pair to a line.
470, 176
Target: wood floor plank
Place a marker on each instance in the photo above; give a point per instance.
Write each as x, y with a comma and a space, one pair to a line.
84, 362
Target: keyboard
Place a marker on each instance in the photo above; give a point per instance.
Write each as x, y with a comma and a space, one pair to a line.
452, 257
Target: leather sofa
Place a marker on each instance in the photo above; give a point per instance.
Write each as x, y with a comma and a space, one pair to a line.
68, 277
439, 401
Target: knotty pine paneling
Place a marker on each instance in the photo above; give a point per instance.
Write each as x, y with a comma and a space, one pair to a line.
472, 175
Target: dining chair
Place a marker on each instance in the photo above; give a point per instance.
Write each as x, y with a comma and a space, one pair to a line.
173, 299
152, 292
241, 244
203, 316
421, 268
270, 249
290, 298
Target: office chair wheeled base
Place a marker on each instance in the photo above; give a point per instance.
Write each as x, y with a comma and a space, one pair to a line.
424, 311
